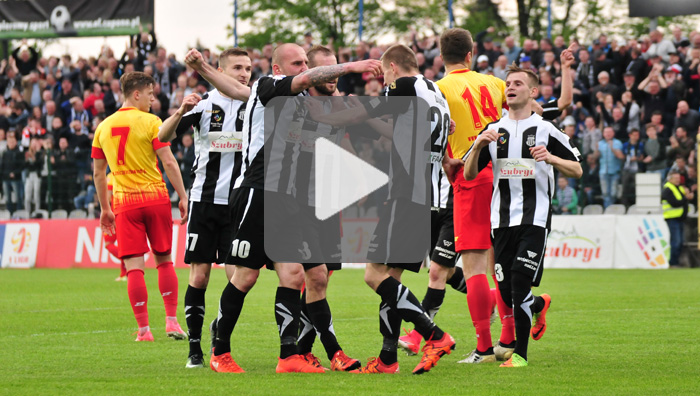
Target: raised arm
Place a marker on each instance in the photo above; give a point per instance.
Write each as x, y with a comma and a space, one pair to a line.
567, 82
228, 85
323, 74
169, 127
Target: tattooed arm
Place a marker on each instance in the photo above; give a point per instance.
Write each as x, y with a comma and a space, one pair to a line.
323, 74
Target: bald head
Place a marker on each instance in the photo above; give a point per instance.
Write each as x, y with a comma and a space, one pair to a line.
289, 59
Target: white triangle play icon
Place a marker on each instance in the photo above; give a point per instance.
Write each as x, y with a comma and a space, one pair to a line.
341, 178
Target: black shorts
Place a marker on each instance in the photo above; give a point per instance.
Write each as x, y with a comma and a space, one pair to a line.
521, 249
248, 240
209, 231
323, 239
442, 238
386, 248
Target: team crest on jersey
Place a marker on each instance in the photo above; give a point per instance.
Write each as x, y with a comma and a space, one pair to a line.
530, 140
393, 85
217, 117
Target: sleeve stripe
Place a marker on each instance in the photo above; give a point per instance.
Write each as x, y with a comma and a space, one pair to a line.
97, 153
157, 144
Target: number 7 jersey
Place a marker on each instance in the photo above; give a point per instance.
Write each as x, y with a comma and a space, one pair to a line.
475, 100
128, 140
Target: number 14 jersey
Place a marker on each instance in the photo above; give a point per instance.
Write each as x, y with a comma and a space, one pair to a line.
128, 140
475, 100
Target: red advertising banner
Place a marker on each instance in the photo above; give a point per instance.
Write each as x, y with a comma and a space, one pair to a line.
80, 244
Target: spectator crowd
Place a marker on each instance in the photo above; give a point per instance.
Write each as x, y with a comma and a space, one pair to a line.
635, 108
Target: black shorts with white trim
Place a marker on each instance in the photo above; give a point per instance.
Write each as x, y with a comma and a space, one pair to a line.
519, 248
209, 232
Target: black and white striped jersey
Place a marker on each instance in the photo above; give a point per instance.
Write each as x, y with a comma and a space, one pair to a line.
217, 122
406, 182
523, 188
253, 167
305, 182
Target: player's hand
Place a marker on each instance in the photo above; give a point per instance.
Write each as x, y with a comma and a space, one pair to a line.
107, 222
194, 59
189, 103
451, 167
485, 138
536, 107
567, 56
183, 210
370, 65
453, 126
540, 153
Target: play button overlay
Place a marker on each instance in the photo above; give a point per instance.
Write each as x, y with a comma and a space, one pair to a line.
346, 179
341, 178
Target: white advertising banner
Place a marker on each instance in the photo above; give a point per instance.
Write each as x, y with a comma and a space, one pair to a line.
642, 241
20, 245
581, 242
355, 242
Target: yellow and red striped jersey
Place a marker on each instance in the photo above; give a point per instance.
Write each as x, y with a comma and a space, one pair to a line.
128, 140
475, 100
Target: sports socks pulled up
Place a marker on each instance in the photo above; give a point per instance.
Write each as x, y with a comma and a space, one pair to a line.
479, 302
167, 284
194, 316
138, 296
399, 298
230, 306
287, 314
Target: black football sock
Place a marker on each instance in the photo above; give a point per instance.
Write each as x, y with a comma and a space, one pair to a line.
194, 317
522, 311
433, 301
322, 320
398, 297
287, 314
390, 327
307, 334
457, 281
230, 307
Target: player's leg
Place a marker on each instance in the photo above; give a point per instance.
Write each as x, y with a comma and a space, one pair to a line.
529, 243
159, 229
231, 305
506, 342
288, 314
472, 226
132, 245
138, 295
209, 235
111, 246
316, 305
307, 333
400, 299
195, 304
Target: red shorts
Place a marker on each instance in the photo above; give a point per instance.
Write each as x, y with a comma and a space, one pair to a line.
137, 227
472, 210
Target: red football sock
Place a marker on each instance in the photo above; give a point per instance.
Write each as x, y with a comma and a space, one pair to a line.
138, 296
122, 271
113, 249
167, 284
479, 301
506, 314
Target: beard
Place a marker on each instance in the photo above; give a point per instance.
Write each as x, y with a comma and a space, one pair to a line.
324, 90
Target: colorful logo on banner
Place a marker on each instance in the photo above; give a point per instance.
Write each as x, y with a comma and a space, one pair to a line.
20, 245
653, 245
571, 244
20, 240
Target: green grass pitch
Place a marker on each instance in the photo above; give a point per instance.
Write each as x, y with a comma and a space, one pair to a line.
609, 332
